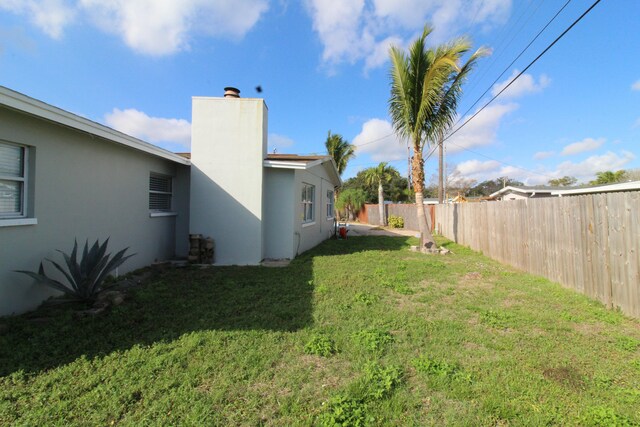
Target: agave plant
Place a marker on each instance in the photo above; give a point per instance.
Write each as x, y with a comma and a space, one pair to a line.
85, 278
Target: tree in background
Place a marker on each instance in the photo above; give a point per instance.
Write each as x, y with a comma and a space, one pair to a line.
565, 181
608, 177
426, 84
395, 190
340, 149
487, 188
379, 176
454, 182
351, 200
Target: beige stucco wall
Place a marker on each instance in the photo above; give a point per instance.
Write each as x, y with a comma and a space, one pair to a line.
85, 187
311, 234
228, 146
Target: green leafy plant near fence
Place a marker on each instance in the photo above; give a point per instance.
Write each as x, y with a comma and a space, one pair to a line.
85, 277
396, 221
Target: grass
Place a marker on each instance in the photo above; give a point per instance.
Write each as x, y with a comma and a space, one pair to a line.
355, 332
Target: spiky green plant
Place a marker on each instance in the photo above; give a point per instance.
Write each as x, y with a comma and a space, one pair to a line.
85, 278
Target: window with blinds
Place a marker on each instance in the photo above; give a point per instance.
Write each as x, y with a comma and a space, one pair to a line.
308, 196
160, 193
12, 180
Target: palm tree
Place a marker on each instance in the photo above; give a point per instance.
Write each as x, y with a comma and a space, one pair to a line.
340, 149
351, 200
426, 84
380, 175
608, 177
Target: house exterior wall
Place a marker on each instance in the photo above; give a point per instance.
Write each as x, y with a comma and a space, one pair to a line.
228, 147
279, 214
313, 233
84, 187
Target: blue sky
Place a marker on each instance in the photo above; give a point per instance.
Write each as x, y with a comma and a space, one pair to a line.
323, 65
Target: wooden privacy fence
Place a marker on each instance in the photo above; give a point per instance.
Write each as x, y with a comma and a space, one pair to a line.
371, 215
587, 243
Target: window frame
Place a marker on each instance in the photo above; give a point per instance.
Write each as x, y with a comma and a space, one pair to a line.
331, 212
308, 202
168, 211
23, 181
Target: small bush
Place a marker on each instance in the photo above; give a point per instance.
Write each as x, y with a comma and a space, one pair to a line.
379, 381
395, 221
373, 339
343, 411
320, 345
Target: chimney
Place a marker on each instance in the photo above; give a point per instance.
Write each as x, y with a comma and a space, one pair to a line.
231, 92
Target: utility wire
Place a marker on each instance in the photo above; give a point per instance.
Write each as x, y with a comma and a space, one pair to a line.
513, 62
523, 71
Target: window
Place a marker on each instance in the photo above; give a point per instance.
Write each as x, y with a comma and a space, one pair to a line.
159, 193
330, 208
13, 180
308, 195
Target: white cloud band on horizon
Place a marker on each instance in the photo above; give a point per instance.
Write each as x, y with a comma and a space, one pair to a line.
155, 130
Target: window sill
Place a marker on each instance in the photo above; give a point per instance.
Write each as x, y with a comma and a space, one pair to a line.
18, 222
161, 214
308, 224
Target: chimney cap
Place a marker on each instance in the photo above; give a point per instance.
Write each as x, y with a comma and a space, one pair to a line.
231, 92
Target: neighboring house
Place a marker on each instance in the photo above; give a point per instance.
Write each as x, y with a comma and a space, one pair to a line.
526, 192
64, 177
511, 192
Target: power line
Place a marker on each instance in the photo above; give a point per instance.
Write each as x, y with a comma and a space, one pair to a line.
513, 62
523, 71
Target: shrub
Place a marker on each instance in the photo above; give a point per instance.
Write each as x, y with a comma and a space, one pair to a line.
85, 279
373, 339
320, 345
395, 221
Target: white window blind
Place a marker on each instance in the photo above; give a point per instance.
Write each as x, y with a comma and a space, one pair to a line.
12, 180
330, 208
160, 192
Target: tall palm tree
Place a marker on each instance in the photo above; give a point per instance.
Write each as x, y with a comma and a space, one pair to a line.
426, 84
340, 149
380, 175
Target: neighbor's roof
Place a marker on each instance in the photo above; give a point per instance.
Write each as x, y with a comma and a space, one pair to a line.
27, 105
525, 189
604, 188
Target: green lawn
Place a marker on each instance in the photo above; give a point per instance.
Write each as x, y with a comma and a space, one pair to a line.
361, 332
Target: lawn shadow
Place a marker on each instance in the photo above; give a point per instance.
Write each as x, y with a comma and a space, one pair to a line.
177, 302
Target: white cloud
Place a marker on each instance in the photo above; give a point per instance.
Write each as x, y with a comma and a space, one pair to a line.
150, 27
598, 163
636, 85
379, 141
541, 155
587, 144
480, 131
51, 16
279, 142
151, 129
355, 30
525, 84
475, 168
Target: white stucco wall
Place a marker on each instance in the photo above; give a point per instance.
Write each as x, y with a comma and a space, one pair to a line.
228, 146
280, 211
311, 234
84, 187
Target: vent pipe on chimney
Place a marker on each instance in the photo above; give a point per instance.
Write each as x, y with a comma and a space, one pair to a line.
231, 92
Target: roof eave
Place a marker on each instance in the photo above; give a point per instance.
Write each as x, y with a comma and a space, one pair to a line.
24, 104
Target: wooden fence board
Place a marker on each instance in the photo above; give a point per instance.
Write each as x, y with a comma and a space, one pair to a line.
589, 243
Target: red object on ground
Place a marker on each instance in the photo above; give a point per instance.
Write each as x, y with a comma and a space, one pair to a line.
343, 232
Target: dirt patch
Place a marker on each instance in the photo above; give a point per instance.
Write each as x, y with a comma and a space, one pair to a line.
566, 375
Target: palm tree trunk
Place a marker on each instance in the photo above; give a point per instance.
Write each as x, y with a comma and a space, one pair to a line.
383, 220
426, 238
